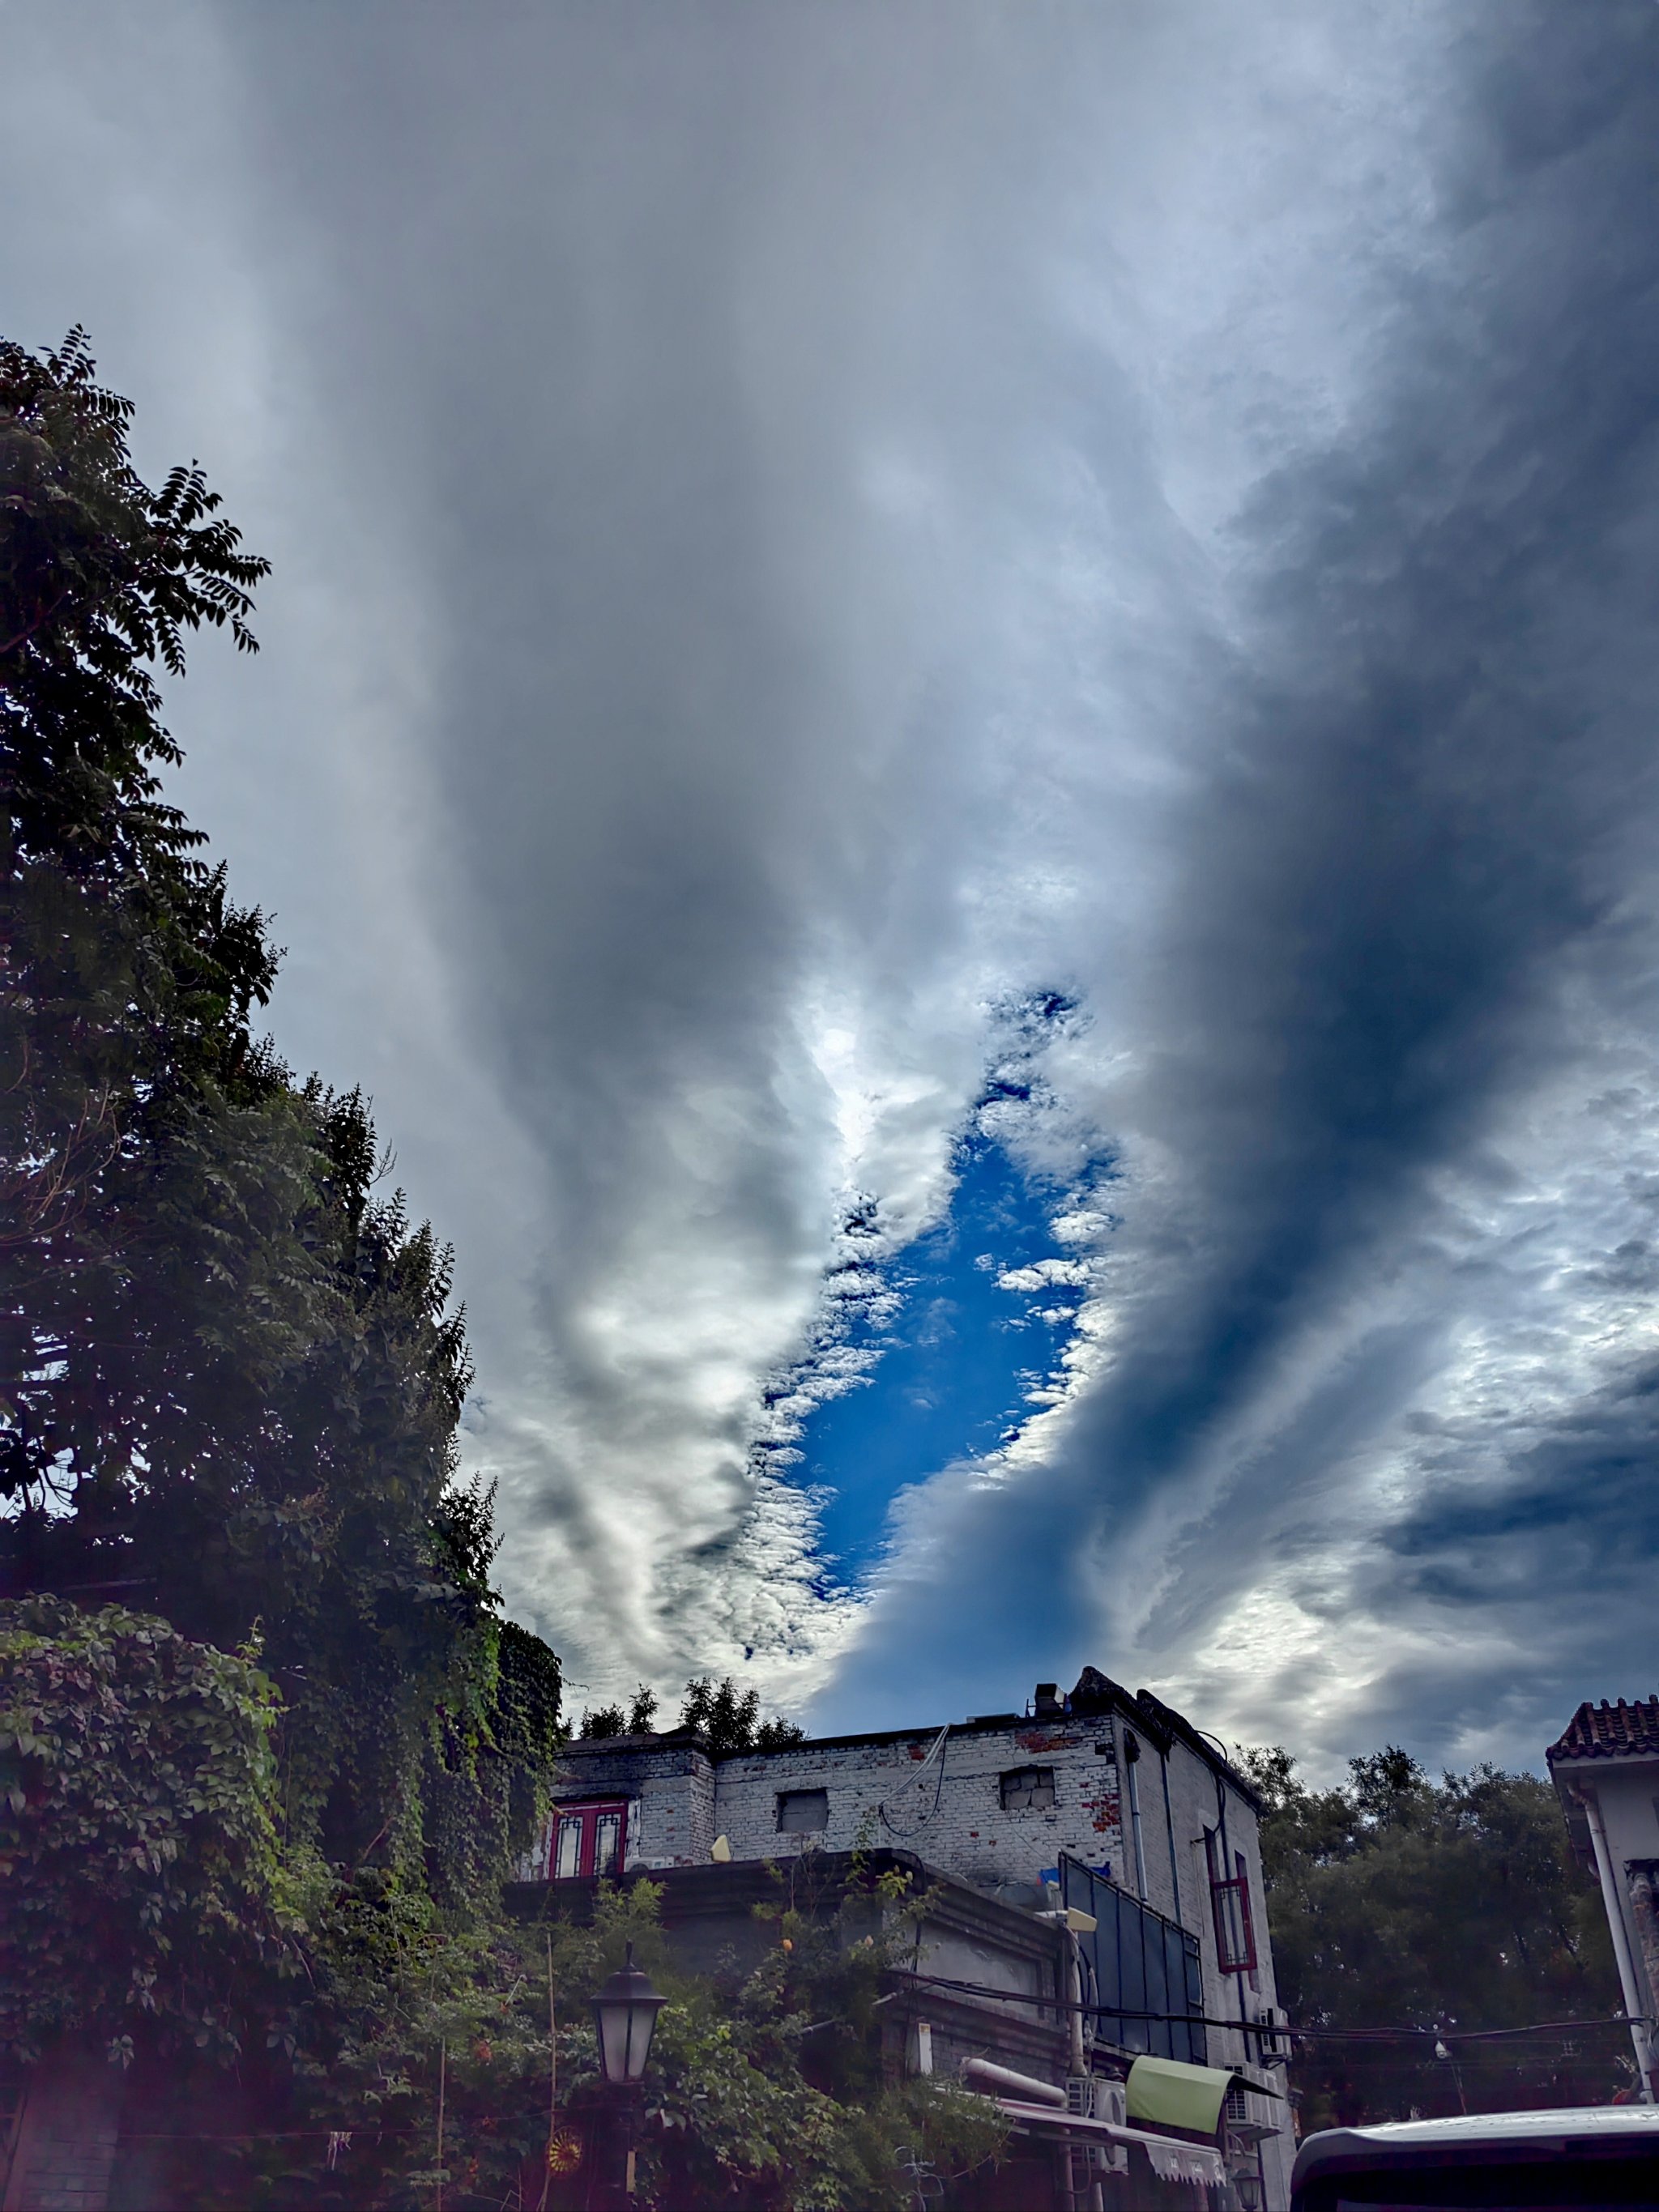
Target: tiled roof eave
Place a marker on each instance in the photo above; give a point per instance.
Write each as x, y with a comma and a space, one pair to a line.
1596, 1733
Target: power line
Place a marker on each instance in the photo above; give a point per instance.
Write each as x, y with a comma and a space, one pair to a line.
1265, 2028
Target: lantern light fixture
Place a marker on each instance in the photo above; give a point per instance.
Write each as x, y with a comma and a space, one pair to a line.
625, 2013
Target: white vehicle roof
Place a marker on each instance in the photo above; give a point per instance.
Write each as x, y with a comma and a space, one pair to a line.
1409, 2140
1492, 2127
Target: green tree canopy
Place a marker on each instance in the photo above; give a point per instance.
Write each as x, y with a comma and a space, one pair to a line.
230, 1367
1396, 1901
727, 1719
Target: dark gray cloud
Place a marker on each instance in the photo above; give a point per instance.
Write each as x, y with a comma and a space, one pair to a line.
1432, 780
796, 524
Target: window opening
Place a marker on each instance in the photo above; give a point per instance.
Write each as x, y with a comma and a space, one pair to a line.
607, 1843
588, 1840
803, 1812
1029, 1789
1229, 1902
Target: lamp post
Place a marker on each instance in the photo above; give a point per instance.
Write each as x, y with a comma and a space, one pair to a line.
625, 2014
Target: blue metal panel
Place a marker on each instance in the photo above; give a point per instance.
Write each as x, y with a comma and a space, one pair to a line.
1142, 1966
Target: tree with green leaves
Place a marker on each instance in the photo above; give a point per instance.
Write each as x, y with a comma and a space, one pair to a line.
261, 1811
230, 1369
147, 1893
1440, 1908
765, 2089
727, 1719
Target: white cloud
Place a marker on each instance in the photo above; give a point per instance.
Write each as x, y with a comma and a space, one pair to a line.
796, 528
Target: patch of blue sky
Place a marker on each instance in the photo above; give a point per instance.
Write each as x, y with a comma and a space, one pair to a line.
940, 1354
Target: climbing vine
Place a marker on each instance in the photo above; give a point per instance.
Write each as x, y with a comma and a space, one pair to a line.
146, 1890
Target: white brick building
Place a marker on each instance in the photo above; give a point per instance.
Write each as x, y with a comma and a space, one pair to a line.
1102, 1801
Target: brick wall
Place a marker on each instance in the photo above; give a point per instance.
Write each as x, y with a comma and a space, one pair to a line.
669, 1790
66, 2137
888, 1792
899, 1791
672, 1820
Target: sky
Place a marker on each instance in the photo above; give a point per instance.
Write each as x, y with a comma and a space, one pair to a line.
956, 716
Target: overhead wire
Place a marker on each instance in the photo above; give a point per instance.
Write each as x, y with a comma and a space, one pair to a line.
1265, 2029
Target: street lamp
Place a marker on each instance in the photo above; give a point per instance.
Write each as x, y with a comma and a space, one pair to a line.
625, 2013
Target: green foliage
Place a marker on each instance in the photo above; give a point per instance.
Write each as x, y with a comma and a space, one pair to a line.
130, 977
230, 1379
230, 1372
100, 577
486, 1780
727, 1718
1397, 1901
762, 2090
729, 1721
146, 1895
602, 1722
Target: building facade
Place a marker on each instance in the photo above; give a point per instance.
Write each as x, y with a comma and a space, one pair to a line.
1099, 1831
1606, 1767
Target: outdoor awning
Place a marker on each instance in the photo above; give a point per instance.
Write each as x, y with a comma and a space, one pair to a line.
1167, 2093
1170, 2161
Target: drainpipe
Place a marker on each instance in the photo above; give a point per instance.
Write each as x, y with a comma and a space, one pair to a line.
1090, 2198
1168, 1830
1077, 2057
1634, 2010
1132, 1760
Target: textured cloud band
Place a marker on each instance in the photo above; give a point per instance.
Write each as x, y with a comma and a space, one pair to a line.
796, 527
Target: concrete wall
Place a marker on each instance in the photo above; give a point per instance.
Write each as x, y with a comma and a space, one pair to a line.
1626, 1798
1627, 1790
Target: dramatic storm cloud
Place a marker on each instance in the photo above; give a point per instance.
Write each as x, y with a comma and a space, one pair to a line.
957, 715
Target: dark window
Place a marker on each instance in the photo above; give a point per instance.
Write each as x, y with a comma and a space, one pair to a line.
803, 1812
1029, 1789
586, 1839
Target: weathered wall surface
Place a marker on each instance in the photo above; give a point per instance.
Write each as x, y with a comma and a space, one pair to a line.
669, 1790
887, 1791
1183, 1798
995, 1806
64, 2151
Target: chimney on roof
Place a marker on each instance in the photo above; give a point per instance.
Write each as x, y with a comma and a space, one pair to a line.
1047, 1699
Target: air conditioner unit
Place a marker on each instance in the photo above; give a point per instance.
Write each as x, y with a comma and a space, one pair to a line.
1269, 2027
1091, 2097
1248, 2116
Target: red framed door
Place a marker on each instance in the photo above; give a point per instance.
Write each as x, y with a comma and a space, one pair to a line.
587, 1840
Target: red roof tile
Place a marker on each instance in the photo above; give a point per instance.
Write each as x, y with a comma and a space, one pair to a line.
1605, 1731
